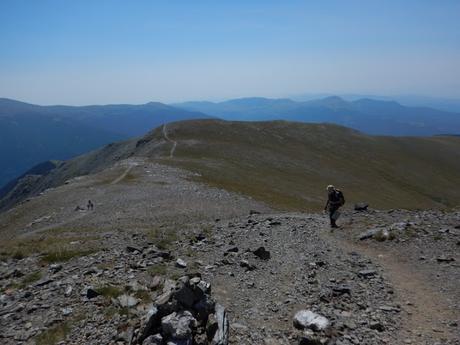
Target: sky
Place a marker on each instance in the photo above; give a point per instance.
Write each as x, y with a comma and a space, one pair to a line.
100, 51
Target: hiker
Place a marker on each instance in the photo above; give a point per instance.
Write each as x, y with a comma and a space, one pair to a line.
335, 200
90, 205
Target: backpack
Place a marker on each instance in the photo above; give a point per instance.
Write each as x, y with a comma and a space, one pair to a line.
340, 197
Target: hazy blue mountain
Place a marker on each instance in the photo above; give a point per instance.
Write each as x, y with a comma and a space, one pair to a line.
30, 134
371, 116
27, 139
125, 119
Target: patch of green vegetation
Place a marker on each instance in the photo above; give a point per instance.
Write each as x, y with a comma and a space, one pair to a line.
163, 238
64, 255
190, 252
159, 269
207, 230
109, 291
30, 278
437, 237
410, 232
56, 246
110, 312
174, 275
129, 178
124, 311
18, 255
53, 335
143, 295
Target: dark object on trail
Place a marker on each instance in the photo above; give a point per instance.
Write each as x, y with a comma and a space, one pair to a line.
262, 253
90, 205
252, 212
361, 206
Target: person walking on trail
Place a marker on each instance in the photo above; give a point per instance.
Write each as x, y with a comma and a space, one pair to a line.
90, 205
335, 200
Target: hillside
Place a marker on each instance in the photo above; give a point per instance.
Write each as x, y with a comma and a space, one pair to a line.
30, 134
140, 266
287, 165
370, 116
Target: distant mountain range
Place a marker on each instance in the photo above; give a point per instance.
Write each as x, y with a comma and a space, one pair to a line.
370, 116
30, 134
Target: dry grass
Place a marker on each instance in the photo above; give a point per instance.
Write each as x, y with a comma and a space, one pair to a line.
54, 247
53, 335
109, 291
163, 237
288, 165
158, 269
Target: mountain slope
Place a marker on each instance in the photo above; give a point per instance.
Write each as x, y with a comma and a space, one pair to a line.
30, 134
288, 165
367, 115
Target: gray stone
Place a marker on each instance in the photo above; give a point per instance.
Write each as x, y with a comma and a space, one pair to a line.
151, 322
221, 335
181, 263
368, 234
378, 326
361, 206
91, 293
262, 253
367, 273
178, 325
155, 339
55, 268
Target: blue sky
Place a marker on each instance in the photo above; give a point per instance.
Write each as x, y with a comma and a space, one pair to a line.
96, 51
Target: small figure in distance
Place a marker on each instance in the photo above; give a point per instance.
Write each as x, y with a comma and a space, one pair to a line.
335, 200
90, 205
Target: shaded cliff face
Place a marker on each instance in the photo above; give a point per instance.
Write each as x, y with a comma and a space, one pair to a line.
287, 165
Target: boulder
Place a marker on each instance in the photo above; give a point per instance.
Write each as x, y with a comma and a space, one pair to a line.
304, 319
361, 206
178, 325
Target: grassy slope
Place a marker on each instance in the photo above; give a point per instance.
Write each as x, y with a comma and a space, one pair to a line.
289, 164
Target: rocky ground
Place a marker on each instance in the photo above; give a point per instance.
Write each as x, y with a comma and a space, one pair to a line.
96, 277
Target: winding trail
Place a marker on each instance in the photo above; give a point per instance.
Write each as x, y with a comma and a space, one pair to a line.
165, 134
123, 175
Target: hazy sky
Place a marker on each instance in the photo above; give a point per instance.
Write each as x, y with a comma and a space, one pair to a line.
95, 51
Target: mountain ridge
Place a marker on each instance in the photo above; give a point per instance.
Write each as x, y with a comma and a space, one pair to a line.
377, 117
288, 164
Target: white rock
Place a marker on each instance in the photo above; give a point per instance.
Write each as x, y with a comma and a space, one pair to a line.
127, 301
308, 319
181, 263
